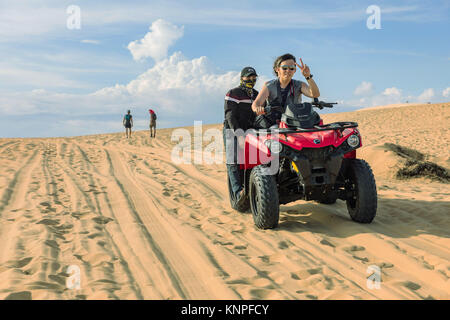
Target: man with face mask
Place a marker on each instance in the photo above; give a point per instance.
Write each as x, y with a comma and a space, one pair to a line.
238, 116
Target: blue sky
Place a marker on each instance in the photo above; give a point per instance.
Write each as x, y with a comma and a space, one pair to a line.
56, 81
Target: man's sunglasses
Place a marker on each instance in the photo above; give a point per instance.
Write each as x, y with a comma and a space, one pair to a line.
285, 67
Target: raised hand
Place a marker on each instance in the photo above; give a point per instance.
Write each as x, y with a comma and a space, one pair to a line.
304, 68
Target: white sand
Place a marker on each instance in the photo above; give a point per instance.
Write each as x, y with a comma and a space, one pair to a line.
139, 226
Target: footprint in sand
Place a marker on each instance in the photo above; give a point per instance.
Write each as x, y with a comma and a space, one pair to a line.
275, 258
386, 265
283, 245
262, 294
52, 243
363, 259
354, 248
19, 263
102, 243
239, 281
223, 243
95, 235
45, 204
103, 281
39, 285
58, 279
78, 215
79, 257
351, 250
238, 230
102, 220
412, 286
325, 242
186, 195
49, 222
314, 271
295, 276
22, 295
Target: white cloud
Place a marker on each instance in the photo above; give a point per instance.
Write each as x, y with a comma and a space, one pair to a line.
90, 41
22, 76
156, 42
392, 92
365, 88
426, 95
181, 90
395, 95
177, 85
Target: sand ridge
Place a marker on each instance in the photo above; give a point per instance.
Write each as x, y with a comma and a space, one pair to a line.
140, 226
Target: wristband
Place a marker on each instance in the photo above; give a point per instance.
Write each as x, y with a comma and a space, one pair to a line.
310, 77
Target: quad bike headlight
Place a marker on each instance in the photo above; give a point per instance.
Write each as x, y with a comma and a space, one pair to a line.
274, 146
353, 141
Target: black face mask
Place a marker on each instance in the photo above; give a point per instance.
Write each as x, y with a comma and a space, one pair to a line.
249, 84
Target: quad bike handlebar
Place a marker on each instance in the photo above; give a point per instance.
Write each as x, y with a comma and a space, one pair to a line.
322, 104
315, 103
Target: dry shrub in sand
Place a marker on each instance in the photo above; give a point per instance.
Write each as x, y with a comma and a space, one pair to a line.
416, 166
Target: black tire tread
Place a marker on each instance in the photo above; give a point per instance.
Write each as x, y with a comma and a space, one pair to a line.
269, 213
366, 206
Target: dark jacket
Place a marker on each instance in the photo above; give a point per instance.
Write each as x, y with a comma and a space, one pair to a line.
238, 109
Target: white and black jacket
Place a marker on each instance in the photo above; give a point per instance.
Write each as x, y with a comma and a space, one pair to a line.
238, 108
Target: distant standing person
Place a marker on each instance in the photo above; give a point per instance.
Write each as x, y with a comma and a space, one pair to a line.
128, 122
152, 123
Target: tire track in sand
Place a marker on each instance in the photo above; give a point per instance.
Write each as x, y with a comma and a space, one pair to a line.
171, 238
172, 276
96, 205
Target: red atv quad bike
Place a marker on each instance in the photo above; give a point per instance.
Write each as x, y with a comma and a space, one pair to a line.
302, 158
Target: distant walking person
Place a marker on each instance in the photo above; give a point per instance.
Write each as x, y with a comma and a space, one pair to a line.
128, 122
152, 123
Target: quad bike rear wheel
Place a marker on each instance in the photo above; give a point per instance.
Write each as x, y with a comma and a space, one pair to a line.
264, 201
361, 191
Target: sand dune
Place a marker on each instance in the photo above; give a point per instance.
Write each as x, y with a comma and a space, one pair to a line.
139, 226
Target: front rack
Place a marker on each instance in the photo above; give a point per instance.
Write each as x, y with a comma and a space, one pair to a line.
330, 126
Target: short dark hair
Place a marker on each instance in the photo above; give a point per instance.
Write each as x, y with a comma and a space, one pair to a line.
280, 59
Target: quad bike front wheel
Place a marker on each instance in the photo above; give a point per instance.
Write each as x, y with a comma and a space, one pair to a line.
361, 191
264, 201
